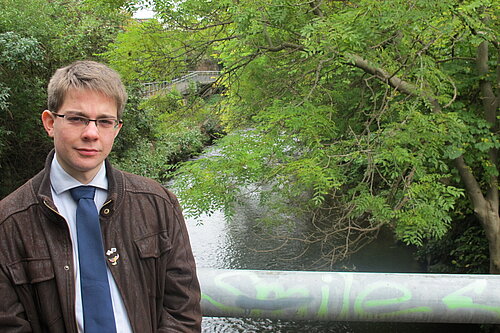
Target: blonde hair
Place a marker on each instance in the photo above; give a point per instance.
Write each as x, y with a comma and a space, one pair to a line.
89, 75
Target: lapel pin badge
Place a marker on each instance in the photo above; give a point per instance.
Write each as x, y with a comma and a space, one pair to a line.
112, 259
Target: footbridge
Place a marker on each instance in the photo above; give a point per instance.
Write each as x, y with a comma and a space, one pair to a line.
345, 296
181, 84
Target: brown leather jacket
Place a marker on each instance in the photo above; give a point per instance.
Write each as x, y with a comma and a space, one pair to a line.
155, 272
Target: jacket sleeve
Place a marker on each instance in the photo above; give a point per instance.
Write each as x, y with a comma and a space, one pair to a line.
12, 313
181, 285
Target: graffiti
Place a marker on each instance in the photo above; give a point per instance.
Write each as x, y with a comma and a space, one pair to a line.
248, 304
457, 300
362, 305
350, 296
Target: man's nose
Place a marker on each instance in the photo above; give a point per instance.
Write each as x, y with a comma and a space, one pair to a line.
91, 130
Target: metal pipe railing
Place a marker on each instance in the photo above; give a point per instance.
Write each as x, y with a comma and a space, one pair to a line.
343, 296
181, 83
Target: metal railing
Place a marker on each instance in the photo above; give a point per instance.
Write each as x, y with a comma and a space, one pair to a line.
343, 296
182, 83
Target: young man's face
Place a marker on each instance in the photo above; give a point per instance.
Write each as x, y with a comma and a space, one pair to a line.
82, 149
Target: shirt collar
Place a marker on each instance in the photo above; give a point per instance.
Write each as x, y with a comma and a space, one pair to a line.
61, 181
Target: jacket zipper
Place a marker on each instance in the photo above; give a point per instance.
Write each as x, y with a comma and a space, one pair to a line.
75, 326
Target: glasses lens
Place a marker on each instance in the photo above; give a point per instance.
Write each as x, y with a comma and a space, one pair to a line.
107, 123
76, 120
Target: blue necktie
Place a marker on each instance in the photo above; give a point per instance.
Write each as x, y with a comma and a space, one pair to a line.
98, 316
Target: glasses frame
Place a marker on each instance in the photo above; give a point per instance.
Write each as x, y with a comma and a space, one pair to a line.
86, 121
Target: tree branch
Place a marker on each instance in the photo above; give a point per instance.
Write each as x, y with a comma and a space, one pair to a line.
205, 27
315, 7
394, 81
455, 58
282, 47
471, 185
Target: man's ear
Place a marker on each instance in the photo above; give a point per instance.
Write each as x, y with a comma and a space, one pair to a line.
48, 122
118, 130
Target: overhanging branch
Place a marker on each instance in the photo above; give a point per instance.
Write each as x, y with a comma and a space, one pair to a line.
403, 86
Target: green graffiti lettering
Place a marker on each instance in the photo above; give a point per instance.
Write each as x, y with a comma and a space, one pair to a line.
377, 305
220, 306
345, 301
457, 299
325, 296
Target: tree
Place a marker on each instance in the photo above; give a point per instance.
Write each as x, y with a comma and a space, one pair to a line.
385, 112
16, 52
138, 55
148, 51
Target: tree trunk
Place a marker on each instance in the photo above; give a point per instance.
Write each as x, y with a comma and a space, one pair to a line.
491, 224
486, 209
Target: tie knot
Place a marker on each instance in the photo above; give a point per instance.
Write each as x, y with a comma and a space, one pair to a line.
82, 192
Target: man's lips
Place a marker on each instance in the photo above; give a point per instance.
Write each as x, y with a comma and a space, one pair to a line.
87, 151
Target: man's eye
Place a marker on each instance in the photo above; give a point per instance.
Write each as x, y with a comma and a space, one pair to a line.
75, 119
106, 122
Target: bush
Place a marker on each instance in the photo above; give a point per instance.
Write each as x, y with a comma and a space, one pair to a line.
463, 250
160, 132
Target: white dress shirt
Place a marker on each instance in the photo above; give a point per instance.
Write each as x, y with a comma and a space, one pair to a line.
61, 183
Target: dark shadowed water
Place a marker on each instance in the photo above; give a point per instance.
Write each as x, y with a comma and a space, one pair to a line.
240, 244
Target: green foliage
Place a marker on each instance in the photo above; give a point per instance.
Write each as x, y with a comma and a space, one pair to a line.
20, 57
16, 53
480, 141
361, 106
212, 183
463, 250
159, 132
469, 252
151, 50
137, 53
156, 160
16, 49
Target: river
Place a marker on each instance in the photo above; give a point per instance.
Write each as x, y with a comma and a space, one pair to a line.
240, 244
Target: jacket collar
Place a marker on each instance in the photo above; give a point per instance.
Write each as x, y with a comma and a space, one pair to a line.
41, 185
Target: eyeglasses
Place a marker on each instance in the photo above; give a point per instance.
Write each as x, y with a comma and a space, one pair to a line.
81, 122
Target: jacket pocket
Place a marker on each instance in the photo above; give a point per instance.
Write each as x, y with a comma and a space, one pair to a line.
31, 271
34, 280
153, 252
153, 245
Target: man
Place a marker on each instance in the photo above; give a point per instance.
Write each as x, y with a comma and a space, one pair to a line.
115, 260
